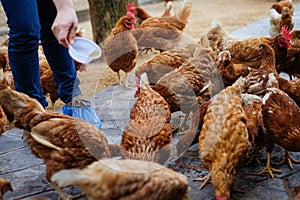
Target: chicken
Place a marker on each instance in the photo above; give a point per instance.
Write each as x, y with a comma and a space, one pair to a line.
295, 39
284, 3
5, 186
246, 50
230, 71
165, 62
277, 108
223, 140
292, 88
264, 77
62, 141
214, 38
278, 20
190, 85
148, 134
47, 81
126, 179
193, 83
252, 108
120, 47
164, 33
292, 61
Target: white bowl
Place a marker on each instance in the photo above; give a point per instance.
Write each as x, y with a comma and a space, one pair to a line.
84, 50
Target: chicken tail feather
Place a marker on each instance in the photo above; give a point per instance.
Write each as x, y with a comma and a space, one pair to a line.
44, 142
184, 12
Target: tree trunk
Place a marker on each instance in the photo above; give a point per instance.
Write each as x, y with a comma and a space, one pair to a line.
104, 14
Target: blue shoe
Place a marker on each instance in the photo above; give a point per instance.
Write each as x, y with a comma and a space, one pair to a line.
82, 109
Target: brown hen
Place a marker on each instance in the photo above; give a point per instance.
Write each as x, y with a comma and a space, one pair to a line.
5, 186
284, 3
62, 141
190, 85
126, 179
277, 21
264, 77
47, 81
148, 134
223, 140
277, 108
252, 107
164, 33
120, 47
292, 88
193, 83
165, 62
230, 71
246, 50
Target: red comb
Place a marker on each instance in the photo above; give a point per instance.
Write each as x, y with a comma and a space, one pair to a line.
286, 32
130, 7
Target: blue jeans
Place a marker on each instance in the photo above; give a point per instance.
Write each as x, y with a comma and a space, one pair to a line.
29, 22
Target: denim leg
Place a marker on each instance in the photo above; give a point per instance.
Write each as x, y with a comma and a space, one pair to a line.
24, 35
61, 63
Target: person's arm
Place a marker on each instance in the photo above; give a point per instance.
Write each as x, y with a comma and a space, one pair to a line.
65, 24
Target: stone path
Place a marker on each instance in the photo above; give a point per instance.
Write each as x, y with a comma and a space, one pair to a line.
26, 172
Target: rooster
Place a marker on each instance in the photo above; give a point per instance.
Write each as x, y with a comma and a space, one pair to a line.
120, 47
125, 179
278, 107
223, 140
4, 187
148, 134
62, 141
163, 33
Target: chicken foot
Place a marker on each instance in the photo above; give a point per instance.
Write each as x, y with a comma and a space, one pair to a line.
268, 168
205, 180
124, 81
63, 195
254, 155
288, 158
